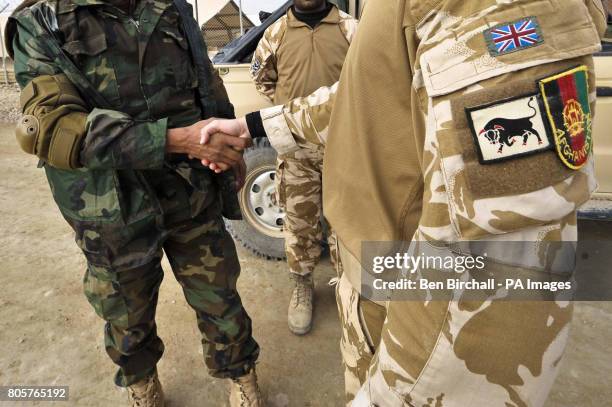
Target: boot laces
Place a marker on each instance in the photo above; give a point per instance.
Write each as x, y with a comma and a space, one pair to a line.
302, 293
247, 387
142, 392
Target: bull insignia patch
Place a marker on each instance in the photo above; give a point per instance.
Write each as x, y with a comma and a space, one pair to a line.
566, 98
509, 129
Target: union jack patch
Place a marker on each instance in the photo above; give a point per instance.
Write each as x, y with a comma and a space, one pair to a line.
515, 36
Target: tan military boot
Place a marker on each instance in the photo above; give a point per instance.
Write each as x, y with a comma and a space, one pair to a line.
245, 391
300, 306
146, 393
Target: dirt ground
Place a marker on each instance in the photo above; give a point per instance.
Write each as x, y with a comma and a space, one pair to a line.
50, 335
9, 103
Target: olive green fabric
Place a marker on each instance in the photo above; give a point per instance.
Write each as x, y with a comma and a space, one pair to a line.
123, 290
124, 197
27, 133
61, 115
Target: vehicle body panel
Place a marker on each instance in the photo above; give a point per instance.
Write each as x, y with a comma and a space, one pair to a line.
241, 89
602, 125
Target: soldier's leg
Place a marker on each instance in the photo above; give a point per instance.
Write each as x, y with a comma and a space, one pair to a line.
204, 261
123, 273
126, 300
301, 189
333, 249
302, 200
460, 354
361, 322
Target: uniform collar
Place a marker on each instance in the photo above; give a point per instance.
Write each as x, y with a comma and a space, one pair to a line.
158, 6
332, 18
84, 3
137, 4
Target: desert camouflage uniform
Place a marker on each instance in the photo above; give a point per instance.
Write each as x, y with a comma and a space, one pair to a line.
283, 68
126, 199
446, 353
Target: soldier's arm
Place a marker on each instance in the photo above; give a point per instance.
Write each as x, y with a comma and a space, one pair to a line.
263, 66
301, 123
348, 26
63, 131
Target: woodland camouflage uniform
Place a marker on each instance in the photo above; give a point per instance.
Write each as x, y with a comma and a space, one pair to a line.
126, 199
402, 163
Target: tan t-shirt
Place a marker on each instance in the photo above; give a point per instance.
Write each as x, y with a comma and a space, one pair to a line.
293, 60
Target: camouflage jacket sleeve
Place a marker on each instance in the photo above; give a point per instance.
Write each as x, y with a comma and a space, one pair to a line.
70, 134
348, 26
302, 122
263, 66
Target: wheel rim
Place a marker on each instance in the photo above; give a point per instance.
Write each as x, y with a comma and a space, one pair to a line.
258, 203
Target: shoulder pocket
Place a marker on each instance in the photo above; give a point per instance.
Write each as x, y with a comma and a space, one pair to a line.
176, 36
91, 46
472, 49
94, 57
490, 126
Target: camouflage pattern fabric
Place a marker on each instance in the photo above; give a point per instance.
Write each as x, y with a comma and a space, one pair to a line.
359, 340
122, 214
448, 353
123, 289
300, 195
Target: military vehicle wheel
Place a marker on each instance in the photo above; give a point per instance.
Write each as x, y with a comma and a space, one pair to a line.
261, 231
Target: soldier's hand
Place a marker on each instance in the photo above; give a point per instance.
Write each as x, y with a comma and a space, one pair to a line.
224, 150
240, 171
237, 128
234, 127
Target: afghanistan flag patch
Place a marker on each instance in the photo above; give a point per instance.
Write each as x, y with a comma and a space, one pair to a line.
566, 99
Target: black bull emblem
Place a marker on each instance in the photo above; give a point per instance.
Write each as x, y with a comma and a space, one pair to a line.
503, 131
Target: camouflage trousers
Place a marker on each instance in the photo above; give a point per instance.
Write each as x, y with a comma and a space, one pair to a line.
299, 193
449, 354
123, 288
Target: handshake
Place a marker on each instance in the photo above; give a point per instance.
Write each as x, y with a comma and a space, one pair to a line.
218, 144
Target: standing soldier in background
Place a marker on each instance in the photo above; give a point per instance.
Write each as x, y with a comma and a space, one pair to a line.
301, 52
414, 153
113, 97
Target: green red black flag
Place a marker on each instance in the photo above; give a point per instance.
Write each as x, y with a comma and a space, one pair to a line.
566, 98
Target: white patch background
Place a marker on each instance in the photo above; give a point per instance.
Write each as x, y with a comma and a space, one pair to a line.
516, 109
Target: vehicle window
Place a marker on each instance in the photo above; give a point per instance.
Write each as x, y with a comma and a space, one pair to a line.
342, 5
607, 41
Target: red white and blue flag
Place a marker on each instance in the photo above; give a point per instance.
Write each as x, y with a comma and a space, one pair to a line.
516, 36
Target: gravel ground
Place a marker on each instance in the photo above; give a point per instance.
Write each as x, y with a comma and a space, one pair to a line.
9, 104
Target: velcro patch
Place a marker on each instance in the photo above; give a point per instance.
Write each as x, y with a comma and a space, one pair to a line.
255, 65
508, 129
511, 37
566, 99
